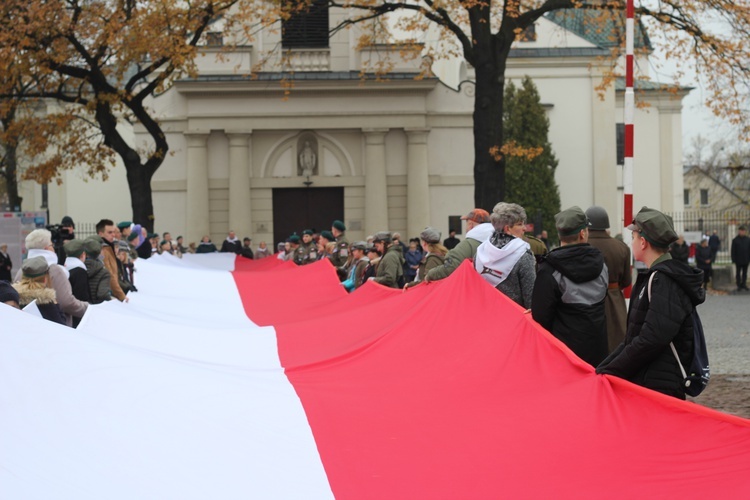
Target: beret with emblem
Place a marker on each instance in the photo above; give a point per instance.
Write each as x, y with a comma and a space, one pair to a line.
307, 232
327, 235
338, 225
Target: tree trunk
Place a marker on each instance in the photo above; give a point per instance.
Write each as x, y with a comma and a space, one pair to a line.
489, 168
10, 174
139, 182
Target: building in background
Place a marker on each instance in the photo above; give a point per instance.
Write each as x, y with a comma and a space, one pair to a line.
309, 139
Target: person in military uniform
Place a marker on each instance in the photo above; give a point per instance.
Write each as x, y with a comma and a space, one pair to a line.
391, 267
324, 239
294, 246
538, 247
617, 257
307, 253
341, 252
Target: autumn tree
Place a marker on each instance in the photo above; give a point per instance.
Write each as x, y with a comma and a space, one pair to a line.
106, 58
530, 178
708, 37
38, 137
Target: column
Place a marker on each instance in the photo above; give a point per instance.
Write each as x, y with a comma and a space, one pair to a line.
376, 193
417, 182
240, 171
604, 156
197, 186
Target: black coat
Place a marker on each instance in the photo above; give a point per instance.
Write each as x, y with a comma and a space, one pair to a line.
702, 254
741, 250
231, 246
645, 357
568, 299
5, 267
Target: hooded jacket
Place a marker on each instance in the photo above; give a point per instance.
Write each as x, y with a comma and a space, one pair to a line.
99, 280
645, 357
506, 262
568, 299
466, 249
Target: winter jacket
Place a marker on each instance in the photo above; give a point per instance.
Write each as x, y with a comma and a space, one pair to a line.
412, 258
702, 257
506, 262
45, 301
568, 299
99, 280
680, 252
58, 275
231, 246
741, 250
645, 357
110, 262
144, 249
391, 268
466, 249
429, 262
206, 247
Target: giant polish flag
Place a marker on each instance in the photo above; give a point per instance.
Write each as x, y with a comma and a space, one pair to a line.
263, 380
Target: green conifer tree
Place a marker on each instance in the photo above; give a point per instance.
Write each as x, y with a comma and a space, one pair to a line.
530, 182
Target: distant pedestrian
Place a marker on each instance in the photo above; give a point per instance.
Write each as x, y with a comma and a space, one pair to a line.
231, 244
703, 260
741, 256
5, 263
714, 243
451, 241
679, 250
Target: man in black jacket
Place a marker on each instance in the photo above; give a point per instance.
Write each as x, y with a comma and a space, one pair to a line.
660, 314
741, 256
570, 287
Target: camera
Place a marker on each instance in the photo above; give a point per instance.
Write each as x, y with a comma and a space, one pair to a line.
60, 234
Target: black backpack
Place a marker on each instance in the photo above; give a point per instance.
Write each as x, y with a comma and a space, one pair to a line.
698, 372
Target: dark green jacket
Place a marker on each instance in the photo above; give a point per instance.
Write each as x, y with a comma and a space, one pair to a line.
391, 267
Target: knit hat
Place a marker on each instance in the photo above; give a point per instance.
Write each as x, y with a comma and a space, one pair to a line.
34, 267
8, 293
656, 227
570, 221
73, 248
338, 225
430, 235
122, 246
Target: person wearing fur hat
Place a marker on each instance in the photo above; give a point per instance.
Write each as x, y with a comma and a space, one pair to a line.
79, 279
99, 278
39, 244
35, 286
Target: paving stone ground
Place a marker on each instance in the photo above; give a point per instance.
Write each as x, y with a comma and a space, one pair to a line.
726, 322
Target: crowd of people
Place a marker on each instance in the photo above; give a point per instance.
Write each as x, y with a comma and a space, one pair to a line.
574, 291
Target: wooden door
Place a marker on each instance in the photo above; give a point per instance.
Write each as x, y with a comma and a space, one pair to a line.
297, 209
